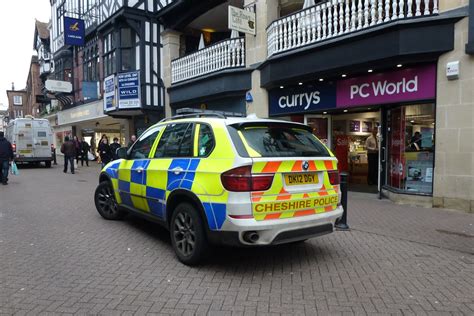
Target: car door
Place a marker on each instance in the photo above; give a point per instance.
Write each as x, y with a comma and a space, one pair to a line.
132, 171
168, 170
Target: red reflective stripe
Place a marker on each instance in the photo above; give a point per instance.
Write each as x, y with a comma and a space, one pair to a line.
328, 164
273, 216
303, 213
296, 166
271, 167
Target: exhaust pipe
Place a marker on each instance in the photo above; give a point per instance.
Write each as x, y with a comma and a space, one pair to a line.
251, 237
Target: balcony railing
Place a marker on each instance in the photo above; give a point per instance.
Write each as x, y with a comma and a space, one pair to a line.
338, 17
226, 54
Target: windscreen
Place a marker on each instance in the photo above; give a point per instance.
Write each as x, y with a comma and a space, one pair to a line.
280, 140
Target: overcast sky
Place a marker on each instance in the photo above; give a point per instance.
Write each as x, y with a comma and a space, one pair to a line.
17, 26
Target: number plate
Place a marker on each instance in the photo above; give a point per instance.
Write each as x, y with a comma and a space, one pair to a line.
301, 178
25, 151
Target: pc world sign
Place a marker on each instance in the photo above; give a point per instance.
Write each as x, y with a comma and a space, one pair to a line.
128, 86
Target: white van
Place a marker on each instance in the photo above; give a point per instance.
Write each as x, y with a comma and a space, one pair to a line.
31, 139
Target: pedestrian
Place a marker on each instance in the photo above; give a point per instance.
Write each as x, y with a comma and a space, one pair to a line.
85, 152
104, 136
6, 158
114, 147
132, 141
69, 151
104, 152
372, 146
77, 144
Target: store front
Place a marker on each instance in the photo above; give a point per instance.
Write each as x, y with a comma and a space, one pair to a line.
90, 122
380, 126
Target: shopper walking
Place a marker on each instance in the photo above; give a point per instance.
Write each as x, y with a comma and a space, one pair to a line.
69, 151
114, 147
77, 144
371, 144
85, 152
104, 152
6, 158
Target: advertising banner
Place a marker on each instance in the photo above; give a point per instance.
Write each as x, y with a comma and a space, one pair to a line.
89, 90
302, 99
109, 93
241, 20
403, 85
74, 31
128, 86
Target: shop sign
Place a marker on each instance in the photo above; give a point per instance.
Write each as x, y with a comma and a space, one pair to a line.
241, 20
409, 84
302, 99
128, 85
74, 31
89, 111
109, 93
89, 90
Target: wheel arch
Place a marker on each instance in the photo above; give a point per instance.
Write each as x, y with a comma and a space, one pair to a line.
104, 177
179, 196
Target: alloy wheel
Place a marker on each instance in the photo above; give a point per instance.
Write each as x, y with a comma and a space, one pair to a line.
184, 234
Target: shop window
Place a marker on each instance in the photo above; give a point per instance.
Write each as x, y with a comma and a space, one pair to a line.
411, 148
91, 62
109, 54
127, 49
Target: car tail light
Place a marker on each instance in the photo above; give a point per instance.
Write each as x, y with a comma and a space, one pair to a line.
333, 177
14, 147
241, 179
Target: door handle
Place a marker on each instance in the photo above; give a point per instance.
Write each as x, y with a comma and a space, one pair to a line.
177, 170
140, 169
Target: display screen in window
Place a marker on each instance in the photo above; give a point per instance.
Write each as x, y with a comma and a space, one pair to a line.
411, 148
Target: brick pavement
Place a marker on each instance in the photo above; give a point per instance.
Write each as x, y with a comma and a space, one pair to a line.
59, 257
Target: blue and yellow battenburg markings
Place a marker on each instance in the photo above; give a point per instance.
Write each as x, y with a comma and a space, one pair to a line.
158, 174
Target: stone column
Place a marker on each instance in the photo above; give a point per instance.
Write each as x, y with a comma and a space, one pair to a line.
170, 40
256, 52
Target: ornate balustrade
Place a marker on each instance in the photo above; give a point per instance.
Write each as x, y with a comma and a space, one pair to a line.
339, 17
226, 54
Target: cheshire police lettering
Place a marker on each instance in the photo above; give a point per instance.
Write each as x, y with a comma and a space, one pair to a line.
295, 205
299, 100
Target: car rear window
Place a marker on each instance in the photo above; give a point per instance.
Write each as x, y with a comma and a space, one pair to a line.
278, 140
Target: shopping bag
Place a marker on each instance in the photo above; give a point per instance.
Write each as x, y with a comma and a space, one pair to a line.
90, 156
14, 169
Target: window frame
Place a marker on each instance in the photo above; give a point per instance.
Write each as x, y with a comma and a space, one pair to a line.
151, 153
196, 140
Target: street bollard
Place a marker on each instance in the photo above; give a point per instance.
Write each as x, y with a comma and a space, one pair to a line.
342, 223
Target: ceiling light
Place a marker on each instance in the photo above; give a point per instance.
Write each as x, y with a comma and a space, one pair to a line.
327, 113
300, 83
412, 121
321, 79
281, 87
399, 65
369, 108
344, 75
370, 70
345, 111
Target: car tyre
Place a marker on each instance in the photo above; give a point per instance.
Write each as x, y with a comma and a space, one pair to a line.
105, 202
48, 164
188, 236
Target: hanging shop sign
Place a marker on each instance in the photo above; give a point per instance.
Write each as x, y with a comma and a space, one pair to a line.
302, 99
241, 20
109, 93
74, 31
410, 84
128, 87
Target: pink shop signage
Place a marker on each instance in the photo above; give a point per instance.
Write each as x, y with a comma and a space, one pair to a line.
410, 84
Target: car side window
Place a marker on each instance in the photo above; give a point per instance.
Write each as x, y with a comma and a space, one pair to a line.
205, 140
143, 146
176, 141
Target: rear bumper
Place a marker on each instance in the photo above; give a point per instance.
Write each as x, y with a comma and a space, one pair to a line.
32, 159
278, 231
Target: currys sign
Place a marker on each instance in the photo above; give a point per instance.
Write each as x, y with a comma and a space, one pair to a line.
409, 84
302, 99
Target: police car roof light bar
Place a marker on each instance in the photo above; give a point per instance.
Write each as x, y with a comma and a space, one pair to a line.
189, 112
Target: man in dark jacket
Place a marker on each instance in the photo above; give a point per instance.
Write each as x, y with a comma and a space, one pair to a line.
85, 148
6, 157
69, 151
114, 147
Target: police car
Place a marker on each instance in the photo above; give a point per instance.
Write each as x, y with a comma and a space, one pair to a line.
211, 178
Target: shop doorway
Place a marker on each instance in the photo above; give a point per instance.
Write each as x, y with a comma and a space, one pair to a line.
356, 144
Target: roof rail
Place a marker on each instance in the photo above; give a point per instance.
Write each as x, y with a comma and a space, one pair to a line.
190, 113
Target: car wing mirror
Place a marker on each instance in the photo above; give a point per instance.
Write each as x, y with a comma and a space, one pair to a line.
122, 153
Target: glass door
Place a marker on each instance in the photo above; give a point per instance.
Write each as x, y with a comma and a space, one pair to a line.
321, 125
